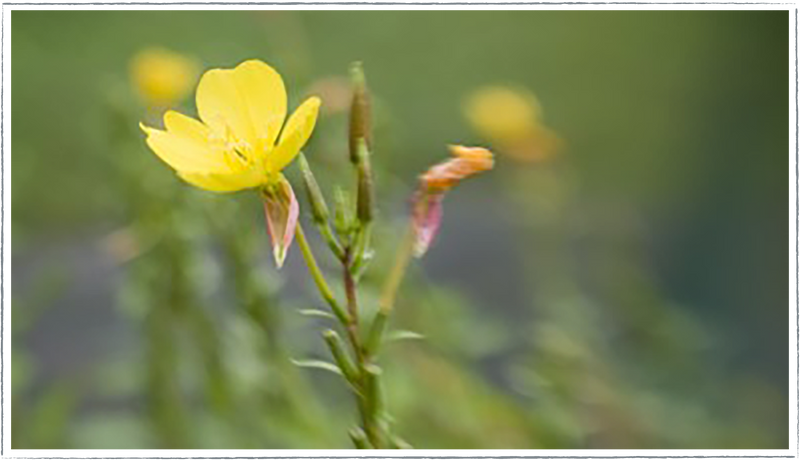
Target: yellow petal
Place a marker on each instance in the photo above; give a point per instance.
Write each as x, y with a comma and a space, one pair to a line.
184, 153
249, 100
181, 125
224, 182
295, 134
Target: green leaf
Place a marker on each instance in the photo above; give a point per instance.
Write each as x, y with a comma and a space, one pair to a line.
403, 335
317, 313
317, 364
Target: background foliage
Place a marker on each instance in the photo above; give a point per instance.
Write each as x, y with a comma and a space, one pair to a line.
629, 293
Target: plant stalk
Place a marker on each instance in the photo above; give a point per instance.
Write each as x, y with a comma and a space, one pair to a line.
319, 278
402, 258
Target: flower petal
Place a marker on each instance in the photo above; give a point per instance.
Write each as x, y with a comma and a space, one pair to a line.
249, 100
181, 125
184, 153
281, 209
295, 134
468, 161
426, 217
224, 182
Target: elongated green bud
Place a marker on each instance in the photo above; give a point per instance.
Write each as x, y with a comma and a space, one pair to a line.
375, 334
342, 212
340, 356
365, 205
318, 207
359, 438
360, 112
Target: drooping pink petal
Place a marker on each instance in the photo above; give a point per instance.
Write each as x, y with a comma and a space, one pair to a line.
426, 219
282, 210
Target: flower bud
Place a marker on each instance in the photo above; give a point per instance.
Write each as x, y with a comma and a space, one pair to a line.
365, 200
360, 113
319, 209
342, 212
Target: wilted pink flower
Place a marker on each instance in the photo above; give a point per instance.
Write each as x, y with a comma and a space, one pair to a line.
427, 202
281, 209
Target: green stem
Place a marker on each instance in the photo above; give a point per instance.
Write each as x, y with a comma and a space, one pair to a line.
362, 249
363, 398
349, 321
403, 257
352, 308
333, 243
319, 278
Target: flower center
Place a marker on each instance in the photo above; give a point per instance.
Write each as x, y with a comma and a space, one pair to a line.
238, 154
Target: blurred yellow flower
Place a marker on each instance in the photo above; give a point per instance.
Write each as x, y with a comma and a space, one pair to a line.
162, 77
236, 145
511, 119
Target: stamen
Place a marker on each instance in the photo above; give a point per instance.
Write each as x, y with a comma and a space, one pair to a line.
237, 153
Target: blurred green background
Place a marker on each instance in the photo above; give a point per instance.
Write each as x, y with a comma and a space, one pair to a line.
630, 293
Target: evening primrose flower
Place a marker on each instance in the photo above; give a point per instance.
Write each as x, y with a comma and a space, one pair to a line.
511, 119
162, 77
435, 182
236, 144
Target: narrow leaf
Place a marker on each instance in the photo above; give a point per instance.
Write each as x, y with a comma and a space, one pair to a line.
403, 335
317, 364
317, 313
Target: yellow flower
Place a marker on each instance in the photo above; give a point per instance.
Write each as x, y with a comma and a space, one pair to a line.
236, 145
501, 113
163, 77
512, 120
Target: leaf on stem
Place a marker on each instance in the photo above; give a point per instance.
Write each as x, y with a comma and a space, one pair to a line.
402, 334
317, 364
317, 313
